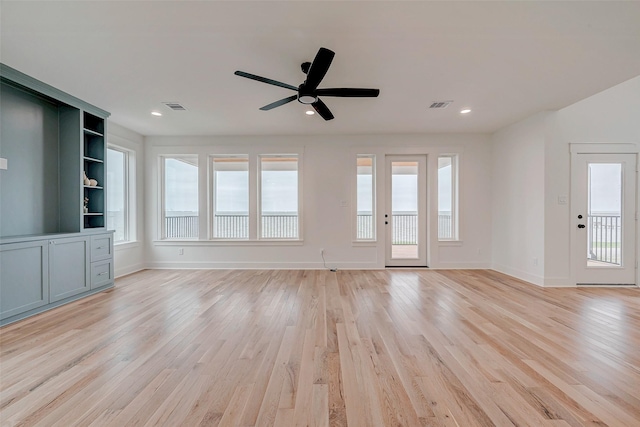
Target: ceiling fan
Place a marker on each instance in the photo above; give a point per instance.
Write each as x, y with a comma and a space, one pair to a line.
308, 91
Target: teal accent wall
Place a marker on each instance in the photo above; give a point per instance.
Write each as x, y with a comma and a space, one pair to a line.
29, 141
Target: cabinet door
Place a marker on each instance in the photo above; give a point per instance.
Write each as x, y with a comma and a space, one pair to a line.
24, 277
68, 267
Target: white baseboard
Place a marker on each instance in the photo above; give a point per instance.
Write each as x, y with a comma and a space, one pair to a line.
213, 265
130, 269
462, 266
534, 279
558, 282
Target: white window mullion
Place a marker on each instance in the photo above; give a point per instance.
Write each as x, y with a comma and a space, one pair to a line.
254, 197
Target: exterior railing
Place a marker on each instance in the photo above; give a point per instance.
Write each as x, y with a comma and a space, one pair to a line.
405, 227
285, 226
279, 226
231, 226
445, 226
605, 238
364, 227
185, 226
234, 226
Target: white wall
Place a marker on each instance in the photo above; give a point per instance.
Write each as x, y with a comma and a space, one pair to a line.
518, 165
328, 170
129, 257
611, 116
531, 180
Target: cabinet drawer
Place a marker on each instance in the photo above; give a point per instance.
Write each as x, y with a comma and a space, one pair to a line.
101, 247
101, 273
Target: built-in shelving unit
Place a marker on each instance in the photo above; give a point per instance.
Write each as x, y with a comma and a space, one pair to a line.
51, 250
94, 168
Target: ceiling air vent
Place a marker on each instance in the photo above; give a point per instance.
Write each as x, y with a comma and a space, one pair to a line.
439, 105
175, 106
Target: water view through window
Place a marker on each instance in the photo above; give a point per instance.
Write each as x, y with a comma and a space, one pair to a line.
117, 206
181, 197
279, 197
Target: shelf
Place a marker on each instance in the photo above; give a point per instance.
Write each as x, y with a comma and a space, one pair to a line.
95, 187
91, 159
92, 132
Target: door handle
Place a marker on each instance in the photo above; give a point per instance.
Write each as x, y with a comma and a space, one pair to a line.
581, 226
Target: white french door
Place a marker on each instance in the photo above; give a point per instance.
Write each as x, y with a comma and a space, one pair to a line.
405, 216
603, 198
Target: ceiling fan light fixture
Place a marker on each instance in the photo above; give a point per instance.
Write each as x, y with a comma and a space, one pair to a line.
465, 111
307, 99
309, 112
156, 113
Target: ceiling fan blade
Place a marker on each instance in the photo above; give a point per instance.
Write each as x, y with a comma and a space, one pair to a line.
349, 92
319, 68
264, 80
279, 103
322, 109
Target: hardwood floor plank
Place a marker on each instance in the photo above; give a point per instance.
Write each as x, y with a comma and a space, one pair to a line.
457, 348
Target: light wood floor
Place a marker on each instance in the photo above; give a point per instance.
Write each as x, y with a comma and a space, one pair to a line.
357, 348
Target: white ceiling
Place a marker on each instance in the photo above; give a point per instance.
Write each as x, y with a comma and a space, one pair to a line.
504, 60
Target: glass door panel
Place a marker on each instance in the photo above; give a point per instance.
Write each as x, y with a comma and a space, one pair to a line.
604, 227
406, 214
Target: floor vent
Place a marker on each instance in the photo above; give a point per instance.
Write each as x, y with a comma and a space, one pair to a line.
439, 105
175, 106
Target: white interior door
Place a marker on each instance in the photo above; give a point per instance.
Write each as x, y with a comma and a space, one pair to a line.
405, 216
603, 197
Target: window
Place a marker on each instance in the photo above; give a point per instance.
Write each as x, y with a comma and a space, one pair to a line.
279, 197
118, 184
365, 197
180, 194
447, 198
230, 197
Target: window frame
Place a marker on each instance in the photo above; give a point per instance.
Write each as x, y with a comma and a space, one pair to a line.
258, 210
162, 199
455, 192
373, 200
128, 184
212, 194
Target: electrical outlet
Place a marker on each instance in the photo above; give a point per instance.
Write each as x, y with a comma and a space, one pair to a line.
181, 251
535, 261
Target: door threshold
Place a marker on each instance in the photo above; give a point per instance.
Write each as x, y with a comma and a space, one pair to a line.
406, 266
607, 285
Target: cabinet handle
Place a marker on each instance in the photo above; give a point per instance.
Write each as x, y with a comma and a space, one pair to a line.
102, 274
100, 247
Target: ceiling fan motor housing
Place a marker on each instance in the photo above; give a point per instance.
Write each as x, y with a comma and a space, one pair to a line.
306, 96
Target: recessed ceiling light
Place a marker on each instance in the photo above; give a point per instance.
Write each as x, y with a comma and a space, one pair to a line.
156, 113
465, 111
310, 112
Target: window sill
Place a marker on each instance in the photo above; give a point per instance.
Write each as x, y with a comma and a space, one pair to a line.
450, 242
364, 243
176, 242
